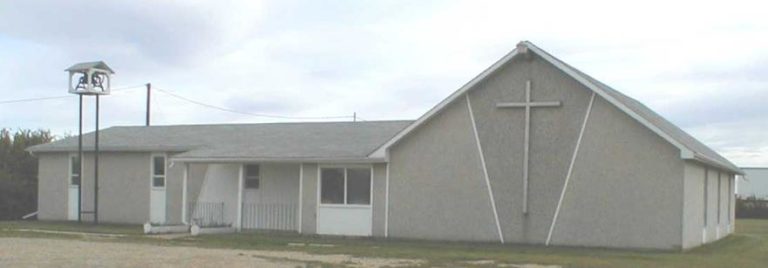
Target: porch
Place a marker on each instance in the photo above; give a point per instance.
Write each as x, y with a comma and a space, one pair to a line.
332, 199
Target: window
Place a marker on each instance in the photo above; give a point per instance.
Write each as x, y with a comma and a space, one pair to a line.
252, 177
332, 186
345, 186
359, 186
74, 170
158, 171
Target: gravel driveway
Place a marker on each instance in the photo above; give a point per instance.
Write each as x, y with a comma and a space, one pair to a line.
34, 252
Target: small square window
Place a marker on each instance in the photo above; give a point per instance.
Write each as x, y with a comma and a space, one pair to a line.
332, 186
159, 165
252, 183
158, 181
74, 175
75, 168
359, 186
252, 177
252, 170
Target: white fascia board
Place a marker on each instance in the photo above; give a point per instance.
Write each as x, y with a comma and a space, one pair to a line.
711, 162
276, 160
382, 151
684, 151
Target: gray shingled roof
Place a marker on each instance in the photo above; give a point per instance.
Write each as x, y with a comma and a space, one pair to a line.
679, 135
320, 140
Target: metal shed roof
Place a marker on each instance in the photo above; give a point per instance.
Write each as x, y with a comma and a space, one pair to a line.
87, 65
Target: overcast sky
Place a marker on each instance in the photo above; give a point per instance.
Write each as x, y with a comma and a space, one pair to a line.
702, 66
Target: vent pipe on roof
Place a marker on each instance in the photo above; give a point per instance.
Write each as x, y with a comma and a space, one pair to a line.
522, 49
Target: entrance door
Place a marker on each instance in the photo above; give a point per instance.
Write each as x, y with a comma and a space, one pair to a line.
73, 193
157, 190
345, 201
72, 203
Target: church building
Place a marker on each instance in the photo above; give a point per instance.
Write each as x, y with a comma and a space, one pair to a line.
530, 151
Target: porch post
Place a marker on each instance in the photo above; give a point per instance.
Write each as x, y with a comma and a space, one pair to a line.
239, 222
301, 194
184, 204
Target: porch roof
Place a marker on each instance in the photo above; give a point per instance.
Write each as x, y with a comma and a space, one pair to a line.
314, 141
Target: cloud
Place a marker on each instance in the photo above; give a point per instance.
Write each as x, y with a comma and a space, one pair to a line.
704, 66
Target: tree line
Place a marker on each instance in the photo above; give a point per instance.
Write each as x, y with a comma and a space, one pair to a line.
18, 171
752, 207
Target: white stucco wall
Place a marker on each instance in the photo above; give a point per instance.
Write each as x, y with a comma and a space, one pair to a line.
220, 185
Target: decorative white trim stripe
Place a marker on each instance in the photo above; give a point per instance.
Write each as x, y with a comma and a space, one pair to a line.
386, 203
685, 152
570, 168
485, 169
301, 195
381, 152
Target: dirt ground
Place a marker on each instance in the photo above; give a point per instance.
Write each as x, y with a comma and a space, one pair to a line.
34, 252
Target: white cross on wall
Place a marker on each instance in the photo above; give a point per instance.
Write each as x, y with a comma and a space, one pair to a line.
528, 104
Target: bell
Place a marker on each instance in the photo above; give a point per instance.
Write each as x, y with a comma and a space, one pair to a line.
92, 78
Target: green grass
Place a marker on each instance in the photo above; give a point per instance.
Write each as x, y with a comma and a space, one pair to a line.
748, 247
68, 226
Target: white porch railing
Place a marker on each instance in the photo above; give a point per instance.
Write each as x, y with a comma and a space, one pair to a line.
270, 216
207, 213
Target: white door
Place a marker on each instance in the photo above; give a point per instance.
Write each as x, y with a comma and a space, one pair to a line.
157, 196
72, 202
73, 193
345, 207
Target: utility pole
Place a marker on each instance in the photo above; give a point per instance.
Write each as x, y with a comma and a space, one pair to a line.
149, 92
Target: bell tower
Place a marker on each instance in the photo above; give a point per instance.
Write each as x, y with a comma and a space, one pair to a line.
90, 78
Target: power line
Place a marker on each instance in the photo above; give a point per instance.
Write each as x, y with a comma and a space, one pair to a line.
62, 96
248, 113
35, 99
175, 95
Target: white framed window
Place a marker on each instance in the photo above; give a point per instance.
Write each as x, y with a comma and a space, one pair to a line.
252, 176
74, 170
345, 186
158, 171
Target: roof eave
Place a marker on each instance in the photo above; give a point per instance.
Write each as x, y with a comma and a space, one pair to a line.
685, 152
382, 151
125, 149
353, 160
711, 162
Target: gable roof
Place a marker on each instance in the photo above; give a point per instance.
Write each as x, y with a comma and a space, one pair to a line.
348, 141
87, 65
690, 148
